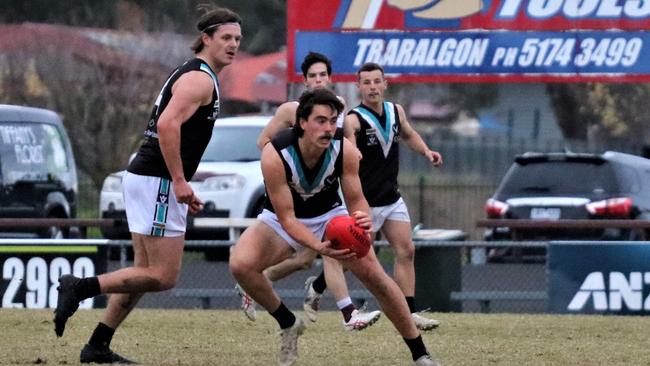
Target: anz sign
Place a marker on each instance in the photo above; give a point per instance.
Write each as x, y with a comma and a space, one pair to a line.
599, 277
613, 291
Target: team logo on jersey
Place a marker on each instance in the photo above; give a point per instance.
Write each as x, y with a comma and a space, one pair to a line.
371, 137
215, 109
330, 180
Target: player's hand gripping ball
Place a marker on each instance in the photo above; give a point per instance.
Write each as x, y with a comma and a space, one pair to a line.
344, 233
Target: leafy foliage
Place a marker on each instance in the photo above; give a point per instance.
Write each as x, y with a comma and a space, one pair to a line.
104, 108
264, 21
601, 112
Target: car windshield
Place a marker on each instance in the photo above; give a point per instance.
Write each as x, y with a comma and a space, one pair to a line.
559, 178
233, 143
31, 152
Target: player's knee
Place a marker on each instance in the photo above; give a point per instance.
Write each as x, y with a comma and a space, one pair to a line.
166, 280
405, 251
238, 267
305, 264
167, 283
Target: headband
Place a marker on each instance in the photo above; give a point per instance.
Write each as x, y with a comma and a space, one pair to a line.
215, 25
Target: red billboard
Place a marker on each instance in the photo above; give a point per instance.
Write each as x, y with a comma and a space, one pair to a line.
475, 40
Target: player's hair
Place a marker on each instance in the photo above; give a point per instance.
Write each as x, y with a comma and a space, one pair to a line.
313, 58
369, 66
210, 21
309, 99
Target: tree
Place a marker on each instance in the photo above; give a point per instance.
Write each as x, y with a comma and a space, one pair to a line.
104, 103
602, 112
264, 21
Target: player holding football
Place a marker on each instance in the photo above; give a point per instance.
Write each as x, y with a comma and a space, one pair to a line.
316, 69
375, 128
302, 168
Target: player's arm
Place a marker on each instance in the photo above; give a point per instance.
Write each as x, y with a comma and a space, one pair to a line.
414, 140
280, 196
351, 128
283, 118
189, 92
355, 201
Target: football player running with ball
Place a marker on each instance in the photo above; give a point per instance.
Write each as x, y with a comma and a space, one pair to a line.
302, 168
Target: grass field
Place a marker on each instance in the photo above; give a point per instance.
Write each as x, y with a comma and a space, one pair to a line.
202, 337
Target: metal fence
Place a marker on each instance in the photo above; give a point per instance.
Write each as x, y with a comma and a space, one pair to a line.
452, 275
451, 197
482, 286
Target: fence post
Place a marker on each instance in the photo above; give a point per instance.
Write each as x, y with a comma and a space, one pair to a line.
438, 274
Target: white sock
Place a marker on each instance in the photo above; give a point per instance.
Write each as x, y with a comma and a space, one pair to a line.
343, 303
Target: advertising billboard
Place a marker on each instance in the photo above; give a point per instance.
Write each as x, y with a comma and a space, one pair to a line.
30, 273
599, 278
475, 40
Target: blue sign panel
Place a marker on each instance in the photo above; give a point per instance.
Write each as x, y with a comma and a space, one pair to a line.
599, 277
474, 40
570, 54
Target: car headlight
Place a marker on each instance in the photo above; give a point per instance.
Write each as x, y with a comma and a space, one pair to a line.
222, 183
112, 183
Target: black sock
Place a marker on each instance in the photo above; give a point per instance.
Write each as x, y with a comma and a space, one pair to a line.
319, 283
410, 300
284, 316
87, 288
417, 347
101, 337
347, 312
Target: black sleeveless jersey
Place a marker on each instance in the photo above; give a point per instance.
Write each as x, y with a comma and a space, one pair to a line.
195, 132
314, 190
378, 140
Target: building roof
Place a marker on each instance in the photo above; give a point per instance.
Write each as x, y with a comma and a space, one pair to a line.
256, 78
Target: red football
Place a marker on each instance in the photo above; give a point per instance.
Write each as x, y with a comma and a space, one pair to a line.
344, 233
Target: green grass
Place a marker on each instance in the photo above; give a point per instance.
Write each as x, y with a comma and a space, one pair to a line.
217, 337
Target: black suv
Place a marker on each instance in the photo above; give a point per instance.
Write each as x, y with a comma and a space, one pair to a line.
38, 176
554, 186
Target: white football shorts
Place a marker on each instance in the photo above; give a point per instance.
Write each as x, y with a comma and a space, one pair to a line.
315, 224
396, 211
151, 206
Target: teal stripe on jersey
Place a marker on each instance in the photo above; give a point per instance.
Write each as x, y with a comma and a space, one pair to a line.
301, 173
206, 68
385, 130
390, 117
296, 162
